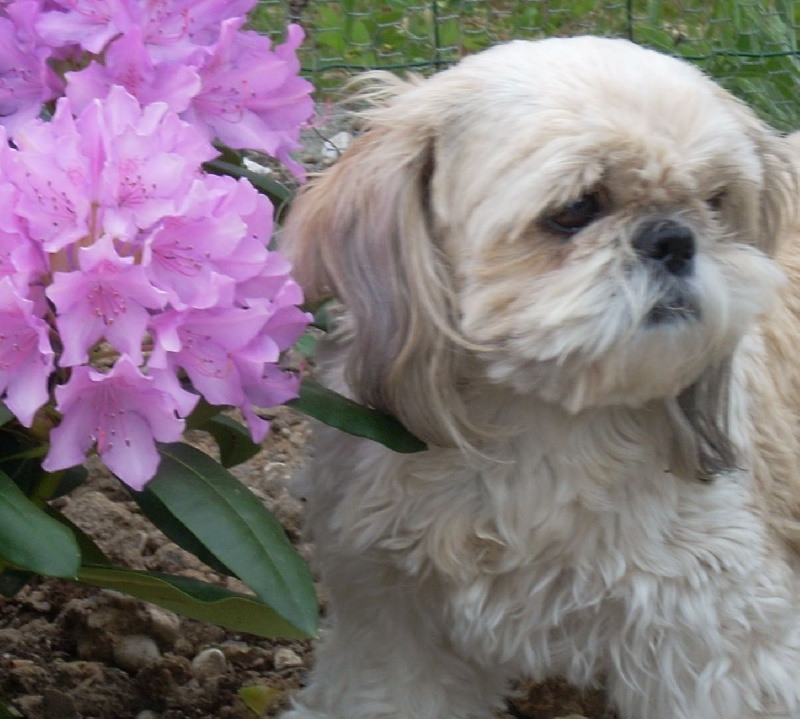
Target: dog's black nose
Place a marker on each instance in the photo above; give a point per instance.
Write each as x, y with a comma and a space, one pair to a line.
669, 243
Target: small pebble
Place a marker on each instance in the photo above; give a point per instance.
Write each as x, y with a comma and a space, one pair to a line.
164, 625
209, 663
285, 657
333, 147
135, 652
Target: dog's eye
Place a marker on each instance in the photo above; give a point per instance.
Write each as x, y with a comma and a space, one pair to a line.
716, 202
572, 218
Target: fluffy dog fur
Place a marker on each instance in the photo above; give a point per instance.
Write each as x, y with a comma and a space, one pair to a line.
563, 265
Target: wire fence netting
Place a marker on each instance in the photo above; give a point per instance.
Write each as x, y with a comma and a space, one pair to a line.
750, 47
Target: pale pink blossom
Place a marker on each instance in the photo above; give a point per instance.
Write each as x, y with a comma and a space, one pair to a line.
26, 80
121, 413
88, 23
26, 357
107, 299
251, 96
127, 62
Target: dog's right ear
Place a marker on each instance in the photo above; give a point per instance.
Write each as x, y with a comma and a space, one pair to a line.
364, 233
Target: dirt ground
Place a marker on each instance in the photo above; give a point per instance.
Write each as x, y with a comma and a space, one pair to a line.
69, 652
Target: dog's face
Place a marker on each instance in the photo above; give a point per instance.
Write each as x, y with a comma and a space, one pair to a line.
581, 220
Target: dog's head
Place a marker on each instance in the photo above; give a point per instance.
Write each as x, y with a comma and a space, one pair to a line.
580, 220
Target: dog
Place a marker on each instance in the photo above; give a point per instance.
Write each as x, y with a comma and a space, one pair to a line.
572, 268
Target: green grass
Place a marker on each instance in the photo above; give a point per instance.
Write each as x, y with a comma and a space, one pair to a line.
751, 47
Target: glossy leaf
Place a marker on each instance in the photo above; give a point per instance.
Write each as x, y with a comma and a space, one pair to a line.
90, 552
194, 599
32, 540
338, 411
233, 440
157, 512
233, 524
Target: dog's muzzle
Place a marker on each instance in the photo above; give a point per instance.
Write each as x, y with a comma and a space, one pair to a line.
668, 248
669, 245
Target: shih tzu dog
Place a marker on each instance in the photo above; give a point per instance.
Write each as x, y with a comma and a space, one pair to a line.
572, 268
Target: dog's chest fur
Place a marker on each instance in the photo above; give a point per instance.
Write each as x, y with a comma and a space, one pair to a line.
563, 546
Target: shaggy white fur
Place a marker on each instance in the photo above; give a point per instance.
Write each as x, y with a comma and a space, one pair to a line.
562, 264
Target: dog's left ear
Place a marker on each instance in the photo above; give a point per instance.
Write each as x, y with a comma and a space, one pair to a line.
364, 233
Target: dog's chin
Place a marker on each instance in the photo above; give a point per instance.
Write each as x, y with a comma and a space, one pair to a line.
667, 355
657, 355
677, 306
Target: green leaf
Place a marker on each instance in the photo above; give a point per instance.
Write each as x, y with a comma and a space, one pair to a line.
360, 33
90, 552
69, 480
306, 345
158, 513
7, 712
6, 415
233, 524
258, 697
338, 411
32, 540
193, 599
322, 316
233, 439
202, 413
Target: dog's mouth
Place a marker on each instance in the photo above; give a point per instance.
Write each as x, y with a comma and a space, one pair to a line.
675, 306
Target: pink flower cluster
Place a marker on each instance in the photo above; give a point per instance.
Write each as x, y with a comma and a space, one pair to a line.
190, 54
131, 282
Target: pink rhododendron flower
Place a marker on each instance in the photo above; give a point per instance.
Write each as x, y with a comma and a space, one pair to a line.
26, 80
205, 343
128, 63
131, 281
251, 96
166, 23
121, 413
107, 299
54, 178
88, 23
198, 255
26, 357
20, 259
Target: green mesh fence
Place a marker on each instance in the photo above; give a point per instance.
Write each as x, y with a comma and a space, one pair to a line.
750, 47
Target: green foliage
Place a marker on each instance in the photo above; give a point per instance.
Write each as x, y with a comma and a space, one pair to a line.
193, 599
342, 413
750, 47
194, 500
30, 539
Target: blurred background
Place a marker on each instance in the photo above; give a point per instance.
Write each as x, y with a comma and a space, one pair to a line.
750, 47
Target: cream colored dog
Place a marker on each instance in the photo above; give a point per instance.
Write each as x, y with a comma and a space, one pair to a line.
563, 265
